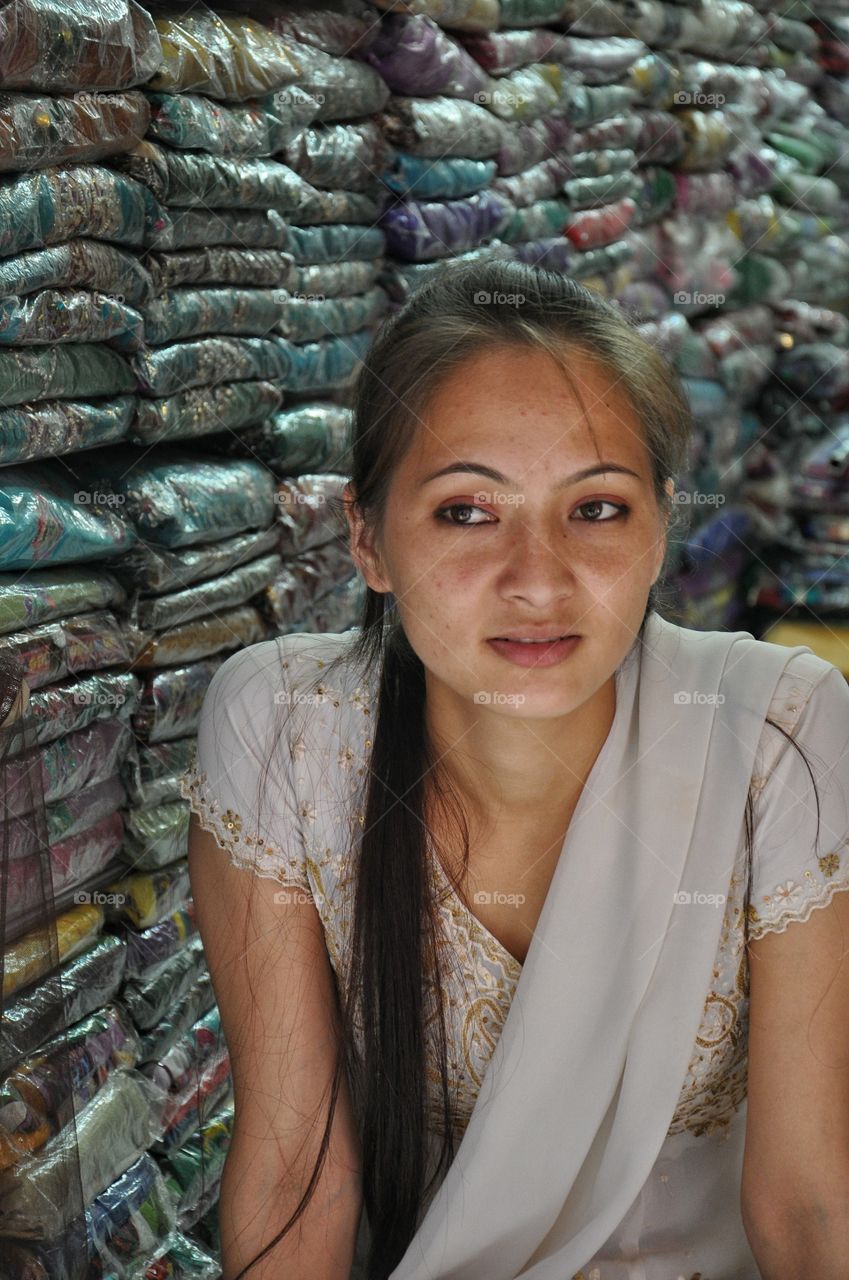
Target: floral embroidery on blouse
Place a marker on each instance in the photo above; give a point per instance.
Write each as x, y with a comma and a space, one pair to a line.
479, 974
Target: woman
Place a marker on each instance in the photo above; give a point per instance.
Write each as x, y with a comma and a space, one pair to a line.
503, 1006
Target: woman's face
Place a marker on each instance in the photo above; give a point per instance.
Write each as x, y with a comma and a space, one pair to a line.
471, 557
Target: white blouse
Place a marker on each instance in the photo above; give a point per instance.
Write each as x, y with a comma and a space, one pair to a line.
686, 1223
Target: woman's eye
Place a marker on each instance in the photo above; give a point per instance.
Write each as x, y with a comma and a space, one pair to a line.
443, 514
619, 508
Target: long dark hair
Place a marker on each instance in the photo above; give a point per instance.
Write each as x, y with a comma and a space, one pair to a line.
458, 311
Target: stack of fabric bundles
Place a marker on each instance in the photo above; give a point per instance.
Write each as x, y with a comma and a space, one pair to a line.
444, 124
70, 286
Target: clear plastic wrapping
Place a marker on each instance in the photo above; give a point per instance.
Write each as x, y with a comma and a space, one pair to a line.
190, 641
343, 87
327, 363
418, 231
221, 266
50, 650
437, 179
350, 155
179, 366
147, 997
224, 592
67, 315
77, 370
202, 410
170, 705
186, 313
86, 264
329, 244
443, 126
305, 319
310, 511
43, 518
70, 763
62, 45
193, 178
258, 128
151, 570
228, 57
416, 57
47, 428
202, 228
25, 959
176, 498
54, 593
148, 948
39, 131
196, 1002
145, 899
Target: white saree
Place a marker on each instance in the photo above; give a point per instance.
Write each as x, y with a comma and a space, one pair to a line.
573, 1110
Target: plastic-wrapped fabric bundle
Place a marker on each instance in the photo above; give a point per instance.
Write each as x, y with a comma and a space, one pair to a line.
312, 436
465, 15
179, 366
120, 1230
171, 701
178, 498
437, 179
528, 144
54, 593
537, 182
195, 1003
592, 193
25, 960
304, 579
67, 764
193, 178
50, 650
415, 56
530, 93
184, 1259
310, 511
541, 219
186, 313
79, 859
83, 984
327, 362
43, 518
258, 128
212, 634
198, 1102
73, 371
226, 57
83, 808
74, 703
151, 773
54, 204
336, 280
202, 1043
443, 126
111, 1132
36, 131
527, 13
89, 264
149, 571
198, 1163
47, 428
595, 227
237, 228
304, 319
341, 206
148, 948
65, 315
147, 998
819, 366
347, 155
417, 230
336, 611
202, 410
662, 139
143, 900
553, 252
220, 266
343, 87
36, 1091
224, 592
68, 43
330, 243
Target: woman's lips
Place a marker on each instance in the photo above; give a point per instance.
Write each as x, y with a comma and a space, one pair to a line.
545, 654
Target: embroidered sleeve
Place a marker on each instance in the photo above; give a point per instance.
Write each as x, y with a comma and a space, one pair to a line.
797, 868
240, 784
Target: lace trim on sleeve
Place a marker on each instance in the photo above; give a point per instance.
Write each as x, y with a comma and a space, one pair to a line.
774, 915
245, 849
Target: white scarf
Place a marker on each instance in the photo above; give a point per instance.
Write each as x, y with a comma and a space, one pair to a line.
578, 1097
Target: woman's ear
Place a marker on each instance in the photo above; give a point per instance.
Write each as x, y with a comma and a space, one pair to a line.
363, 544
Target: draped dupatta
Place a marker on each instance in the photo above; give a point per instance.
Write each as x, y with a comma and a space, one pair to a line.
578, 1097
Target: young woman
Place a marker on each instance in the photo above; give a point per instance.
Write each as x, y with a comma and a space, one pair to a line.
512, 990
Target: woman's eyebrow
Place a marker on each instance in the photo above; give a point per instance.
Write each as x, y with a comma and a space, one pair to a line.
480, 469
